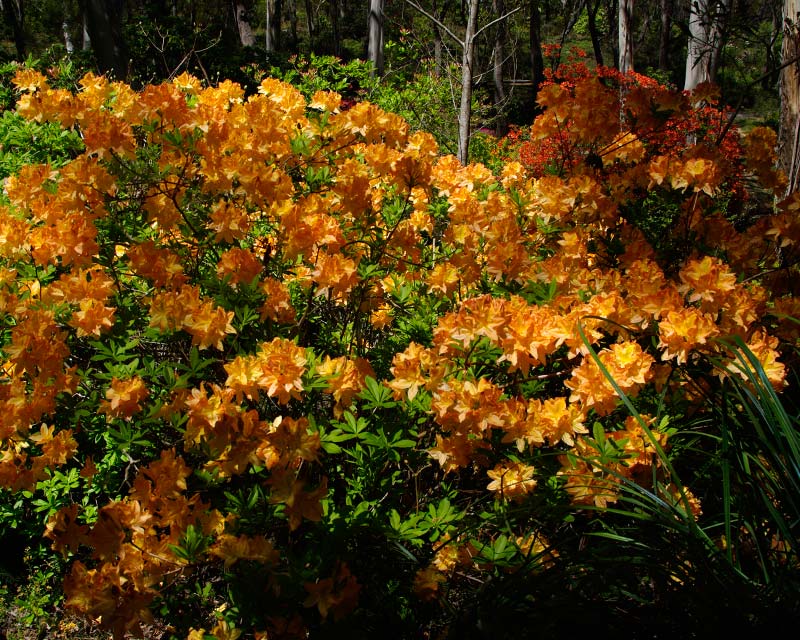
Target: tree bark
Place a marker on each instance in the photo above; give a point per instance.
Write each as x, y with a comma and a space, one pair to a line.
272, 28
625, 31
498, 56
706, 29
591, 14
537, 59
467, 62
375, 39
104, 24
664, 35
14, 11
246, 36
335, 34
789, 138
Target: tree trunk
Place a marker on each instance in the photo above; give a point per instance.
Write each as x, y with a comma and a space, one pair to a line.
14, 11
591, 14
789, 139
537, 59
335, 34
272, 27
625, 31
438, 48
375, 40
310, 24
69, 21
103, 22
707, 20
246, 36
467, 61
664, 35
291, 10
498, 56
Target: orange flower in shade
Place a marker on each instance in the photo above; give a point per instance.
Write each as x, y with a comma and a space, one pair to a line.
444, 277
586, 484
337, 594
228, 222
161, 266
124, 397
456, 451
345, 379
627, 365
230, 549
298, 503
683, 330
239, 266
764, 348
520, 424
640, 452
288, 441
427, 583
511, 480
278, 305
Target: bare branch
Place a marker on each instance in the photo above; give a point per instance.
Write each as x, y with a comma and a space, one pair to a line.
436, 20
486, 26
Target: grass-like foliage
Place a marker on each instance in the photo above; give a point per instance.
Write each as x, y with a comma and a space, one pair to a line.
271, 365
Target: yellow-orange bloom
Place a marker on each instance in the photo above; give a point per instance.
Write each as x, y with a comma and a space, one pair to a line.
511, 480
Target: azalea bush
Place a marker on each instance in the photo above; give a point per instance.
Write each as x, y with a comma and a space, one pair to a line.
274, 366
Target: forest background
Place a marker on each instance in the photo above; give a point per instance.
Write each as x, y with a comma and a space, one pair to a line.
261, 332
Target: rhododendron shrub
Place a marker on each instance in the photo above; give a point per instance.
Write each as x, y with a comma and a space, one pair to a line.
307, 369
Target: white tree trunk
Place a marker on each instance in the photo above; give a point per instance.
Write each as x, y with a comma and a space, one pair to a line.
375, 42
706, 23
789, 139
625, 31
246, 36
467, 61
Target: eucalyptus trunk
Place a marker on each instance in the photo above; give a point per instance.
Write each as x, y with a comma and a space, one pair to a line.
467, 62
375, 40
625, 31
789, 139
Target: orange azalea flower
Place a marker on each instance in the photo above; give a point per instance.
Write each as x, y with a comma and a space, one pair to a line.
628, 366
707, 281
287, 442
407, 371
239, 266
587, 485
162, 266
345, 379
278, 305
208, 325
334, 274
427, 582
231, 549
282, 365
511, 480
683, 330
764, 348
229, 222
558, 420
337, 594
92, 319
124, 397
